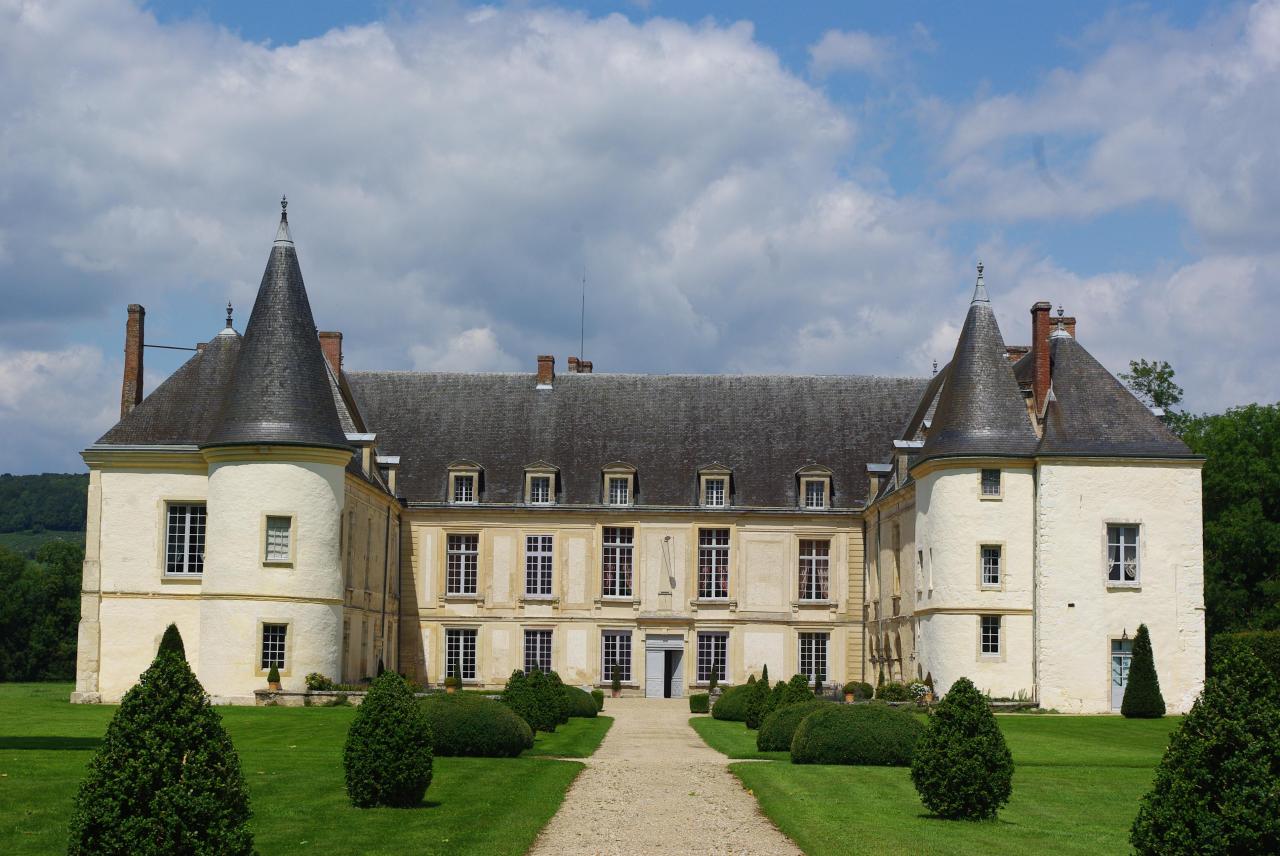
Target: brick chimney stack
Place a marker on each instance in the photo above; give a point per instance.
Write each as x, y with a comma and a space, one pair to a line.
584, 366
546, 370
1041, 327
573, 365
131, 389
331, 345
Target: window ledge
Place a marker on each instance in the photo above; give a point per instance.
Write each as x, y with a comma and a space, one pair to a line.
822, 604
282, 563
1111, 584
463, 598
181, 578
991, 497
548, 599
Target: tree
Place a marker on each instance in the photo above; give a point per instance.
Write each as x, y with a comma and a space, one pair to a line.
387, 759
1215, 789
39, 612
962, 767
166, 779
1142, 699
1153, 383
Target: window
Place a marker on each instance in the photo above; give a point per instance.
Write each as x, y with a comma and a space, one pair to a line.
351, 546
990, 482
990, 634
462, 561
279, 530
615, 650
991, 565
537, 650
713, 654
919, 571
713, 495
815, 493
619, 490
537, 565
713, 564
815, 560
460, 653
273, 645
616, 561
813, 655
184, 540
540, 490
1122, 555
464, 488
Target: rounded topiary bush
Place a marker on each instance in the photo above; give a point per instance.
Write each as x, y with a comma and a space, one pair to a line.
779, 727
387, 758
860, 690
475, 726
166, 778
894, 691
581, 704
1142, 699
732, 704
869, 734
699, 702
962, 767
1215, 790
526, 695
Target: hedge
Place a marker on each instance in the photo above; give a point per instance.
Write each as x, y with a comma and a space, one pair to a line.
581, 704
732, 704
598, 695
870, 734
699, 702
475, 726
387, 758
1263, 644
779, 727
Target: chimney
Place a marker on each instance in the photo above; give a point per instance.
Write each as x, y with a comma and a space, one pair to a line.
573, 365
131, 389
1040, 329
546, 370
1070, 323
584, 366
331, 344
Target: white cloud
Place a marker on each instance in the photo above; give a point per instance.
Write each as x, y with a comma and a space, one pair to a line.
474, 350
851, 50
50, 402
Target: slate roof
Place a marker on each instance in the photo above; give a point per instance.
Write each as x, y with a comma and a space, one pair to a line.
181, 410
764, 428
1091, 413
981, 410
280, 392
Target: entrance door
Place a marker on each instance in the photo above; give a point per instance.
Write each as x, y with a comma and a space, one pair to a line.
664, 666
1121, 654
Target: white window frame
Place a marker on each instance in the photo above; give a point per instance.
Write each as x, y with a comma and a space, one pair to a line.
186, 526
539, 565
983, 484
807, 654
991, 557
713, 564
546, 480
813, 583
460, 645
715, 491
712, 653
617, 556
459, 492
615, 647
539, 655
823, 484
990, 635
462, 564
270, 557
273, 646
1117, 542
617, 489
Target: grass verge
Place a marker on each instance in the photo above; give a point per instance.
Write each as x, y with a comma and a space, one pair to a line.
292, 760
577, 738
732, 739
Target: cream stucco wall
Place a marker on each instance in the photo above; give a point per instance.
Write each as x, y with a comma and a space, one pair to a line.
1079, 613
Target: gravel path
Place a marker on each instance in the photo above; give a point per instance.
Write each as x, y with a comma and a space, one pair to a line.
653, 786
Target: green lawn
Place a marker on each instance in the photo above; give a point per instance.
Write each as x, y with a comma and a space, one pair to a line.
292, 759
1076, 787
732, 739
577, 738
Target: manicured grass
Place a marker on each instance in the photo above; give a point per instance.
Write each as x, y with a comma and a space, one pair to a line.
732, 739
1076, 787
292, 760
578, 738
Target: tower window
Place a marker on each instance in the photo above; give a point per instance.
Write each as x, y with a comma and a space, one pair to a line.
279, 539
184, 538
273, 639
990, 635
990, 482
991, 556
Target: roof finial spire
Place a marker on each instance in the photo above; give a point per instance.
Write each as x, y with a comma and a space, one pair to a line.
1060, 332
228, 314
282, 234
980, 290
935, 367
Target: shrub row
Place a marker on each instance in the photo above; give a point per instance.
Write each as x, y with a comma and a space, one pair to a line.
475, 726
581, 704
699, 702
732, 704
780, 725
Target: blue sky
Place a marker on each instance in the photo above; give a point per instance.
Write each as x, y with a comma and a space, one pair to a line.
753, 187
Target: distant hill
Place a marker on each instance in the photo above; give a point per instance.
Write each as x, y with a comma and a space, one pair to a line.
37, 509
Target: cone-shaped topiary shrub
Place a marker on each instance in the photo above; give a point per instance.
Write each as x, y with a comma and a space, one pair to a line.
581, 704
387, 758
166, 778
1215, 791
1142, 699
732, 704
962, 767
475, 726
870, 734
779, 727
172, 641
757, 706
554, 688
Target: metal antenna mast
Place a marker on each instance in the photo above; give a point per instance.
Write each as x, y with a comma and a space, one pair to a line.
582, 318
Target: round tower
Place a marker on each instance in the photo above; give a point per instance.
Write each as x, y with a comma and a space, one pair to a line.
272, 590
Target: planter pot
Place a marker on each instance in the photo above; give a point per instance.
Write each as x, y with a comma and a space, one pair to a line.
848, 698
450, 690
615, 693
274, 686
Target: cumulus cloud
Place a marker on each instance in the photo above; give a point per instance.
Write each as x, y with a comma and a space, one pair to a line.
849, 50
50, 401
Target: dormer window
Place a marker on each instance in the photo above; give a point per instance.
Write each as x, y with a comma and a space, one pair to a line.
464, 483
714, 486
540, 490
815, 487
815, 493
540, 484
619, 484
713, 492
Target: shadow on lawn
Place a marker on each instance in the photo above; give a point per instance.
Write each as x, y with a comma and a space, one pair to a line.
51, 743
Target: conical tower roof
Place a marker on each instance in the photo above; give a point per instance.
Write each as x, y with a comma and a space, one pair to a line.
280, 392
981, 410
